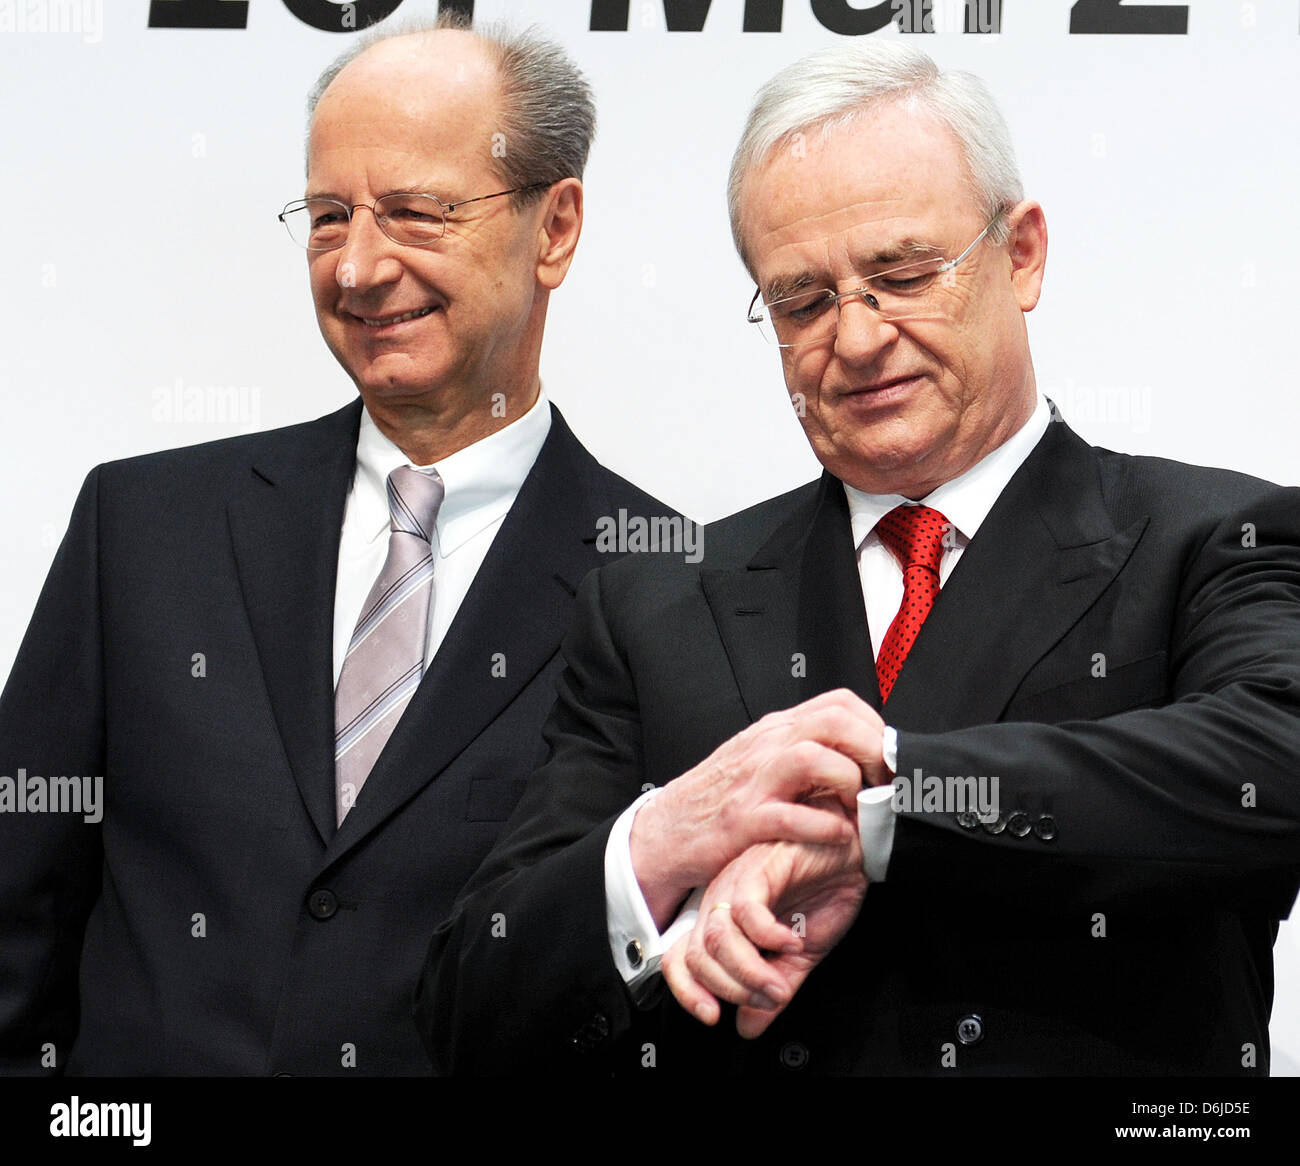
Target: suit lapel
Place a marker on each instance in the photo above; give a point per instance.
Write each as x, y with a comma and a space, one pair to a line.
792, 620
285, 533
1042, 557
519, 607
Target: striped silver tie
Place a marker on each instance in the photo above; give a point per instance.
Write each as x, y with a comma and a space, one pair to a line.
385, 657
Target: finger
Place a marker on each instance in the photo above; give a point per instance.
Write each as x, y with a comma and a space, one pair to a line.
840, 720
736, 957
713, 977
689, 993
709, 977
848, 725
792, 822
757, 923
843, 698
751, 1021
809, 768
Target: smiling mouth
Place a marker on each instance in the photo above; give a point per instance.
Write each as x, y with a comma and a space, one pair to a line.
384, 321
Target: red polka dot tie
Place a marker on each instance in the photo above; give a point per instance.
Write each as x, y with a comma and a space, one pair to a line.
914, 534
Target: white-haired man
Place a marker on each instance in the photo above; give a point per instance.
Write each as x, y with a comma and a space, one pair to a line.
1086, 679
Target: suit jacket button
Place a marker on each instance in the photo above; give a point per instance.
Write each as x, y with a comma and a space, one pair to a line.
635, 956
592, 1033
968, 820
794, 1055
996, 825
282, 1073
322, 903
1019, 825
970, 1030
1045, 827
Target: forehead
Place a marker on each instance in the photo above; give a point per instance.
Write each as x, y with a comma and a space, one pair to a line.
860, 193
406, 113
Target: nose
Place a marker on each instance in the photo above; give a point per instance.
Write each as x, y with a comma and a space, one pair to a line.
368, 257
862, 332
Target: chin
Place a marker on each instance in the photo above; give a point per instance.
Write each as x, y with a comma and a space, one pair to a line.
888, 470
388, 389
391, 378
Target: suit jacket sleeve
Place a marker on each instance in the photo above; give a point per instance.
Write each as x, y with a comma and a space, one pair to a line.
1208, 776
51, 724
535, 911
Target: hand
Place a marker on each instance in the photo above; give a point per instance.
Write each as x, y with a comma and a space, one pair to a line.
792, 776
793, 900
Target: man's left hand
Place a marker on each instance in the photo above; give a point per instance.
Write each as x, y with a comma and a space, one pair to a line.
766, 920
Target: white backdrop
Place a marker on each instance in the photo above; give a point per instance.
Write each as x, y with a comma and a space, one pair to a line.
151, 299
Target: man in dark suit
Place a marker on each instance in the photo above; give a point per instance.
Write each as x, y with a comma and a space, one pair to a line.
306, 670
1052, 829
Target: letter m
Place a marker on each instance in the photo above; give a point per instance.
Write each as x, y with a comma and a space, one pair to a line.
685, 15
116, 1121
964, 794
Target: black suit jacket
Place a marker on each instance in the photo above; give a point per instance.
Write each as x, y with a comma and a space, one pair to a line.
1119, 644
216, 922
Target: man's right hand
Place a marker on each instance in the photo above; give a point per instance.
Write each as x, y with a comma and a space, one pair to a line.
756, 788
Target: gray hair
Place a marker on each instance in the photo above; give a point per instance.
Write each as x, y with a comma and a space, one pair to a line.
548, 112
832, 87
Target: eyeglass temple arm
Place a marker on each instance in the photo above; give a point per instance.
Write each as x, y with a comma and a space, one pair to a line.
451, 206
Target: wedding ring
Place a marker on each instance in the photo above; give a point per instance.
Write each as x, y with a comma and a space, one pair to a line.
719, 907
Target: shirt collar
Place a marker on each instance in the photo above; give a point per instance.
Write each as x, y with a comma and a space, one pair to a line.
481, 481
967, 499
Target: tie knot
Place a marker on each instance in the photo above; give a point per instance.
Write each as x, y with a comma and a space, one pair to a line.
413, 500
915, 535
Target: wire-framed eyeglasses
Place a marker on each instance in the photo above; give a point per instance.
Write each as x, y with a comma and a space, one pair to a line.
901, 293
407, 217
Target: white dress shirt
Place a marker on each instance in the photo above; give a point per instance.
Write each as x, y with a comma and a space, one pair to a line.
481, 483
965, 502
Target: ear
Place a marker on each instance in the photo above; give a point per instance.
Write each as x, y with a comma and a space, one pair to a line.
1028, 250
558, 231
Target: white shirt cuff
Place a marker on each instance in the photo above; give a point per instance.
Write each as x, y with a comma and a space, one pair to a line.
889, 748
876, 819
634, 940
876, 815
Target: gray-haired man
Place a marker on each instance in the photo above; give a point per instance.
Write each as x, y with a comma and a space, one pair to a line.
976, 756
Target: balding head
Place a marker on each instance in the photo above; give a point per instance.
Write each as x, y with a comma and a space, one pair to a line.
403, 92
544, 116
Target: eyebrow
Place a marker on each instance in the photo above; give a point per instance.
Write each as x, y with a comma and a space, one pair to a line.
787, 285
904, 251
420, 188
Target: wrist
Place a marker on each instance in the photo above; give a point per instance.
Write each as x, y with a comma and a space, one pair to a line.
663, 887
